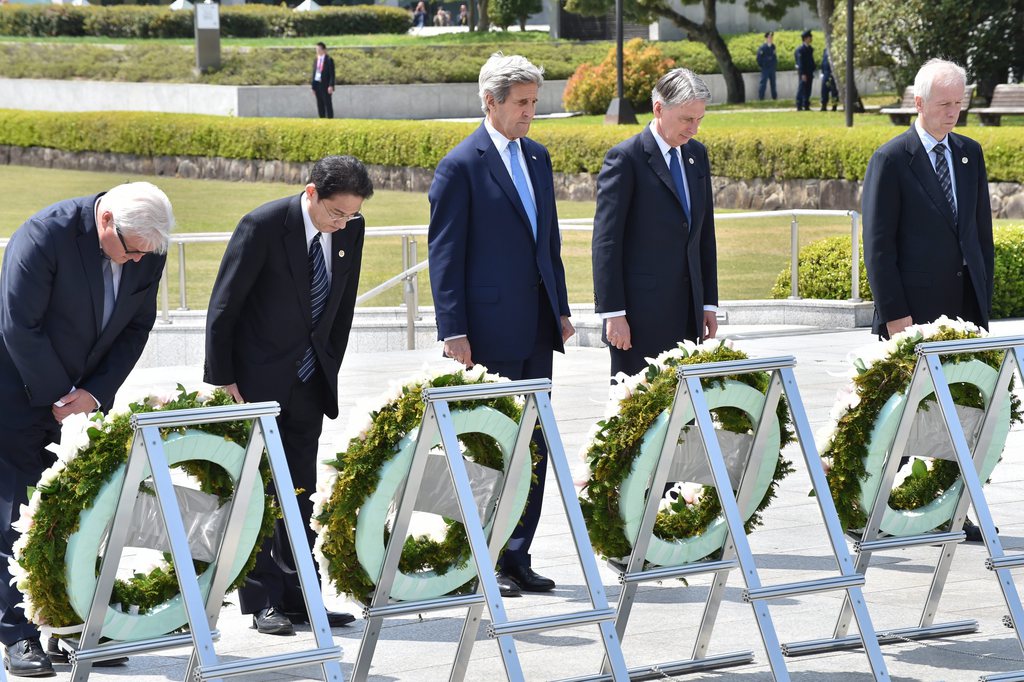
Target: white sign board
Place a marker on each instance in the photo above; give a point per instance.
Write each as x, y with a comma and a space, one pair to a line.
207, 16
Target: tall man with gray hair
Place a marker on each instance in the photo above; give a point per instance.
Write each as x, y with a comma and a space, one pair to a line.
495, 265
77, 302
654, 253
927, 214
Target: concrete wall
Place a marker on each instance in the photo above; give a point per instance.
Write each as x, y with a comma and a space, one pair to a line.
735, 18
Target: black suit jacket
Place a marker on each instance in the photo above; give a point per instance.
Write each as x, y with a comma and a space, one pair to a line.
260, 323
914, 251
51, 307
647, 260
327, 76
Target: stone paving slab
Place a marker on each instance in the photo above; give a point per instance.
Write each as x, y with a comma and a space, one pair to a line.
791, 546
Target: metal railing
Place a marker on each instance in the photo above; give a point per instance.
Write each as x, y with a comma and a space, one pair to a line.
412, 266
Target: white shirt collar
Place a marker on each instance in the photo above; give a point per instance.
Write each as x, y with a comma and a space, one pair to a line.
307, 221
500, 141
665, 147
927, 140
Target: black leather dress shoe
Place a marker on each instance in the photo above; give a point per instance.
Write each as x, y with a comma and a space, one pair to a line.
335, 619
527, 580
973, 532
26, 658
272, 621
58, 655
506, 586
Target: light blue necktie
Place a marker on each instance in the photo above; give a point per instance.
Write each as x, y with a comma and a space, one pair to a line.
318, 288
522, 184
677, 177
108, 291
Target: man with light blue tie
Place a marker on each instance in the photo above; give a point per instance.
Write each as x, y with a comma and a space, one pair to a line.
495, 264
654, 252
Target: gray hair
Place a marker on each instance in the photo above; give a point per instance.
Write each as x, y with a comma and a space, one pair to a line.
142, 210
500, 73
679, 86
939, 72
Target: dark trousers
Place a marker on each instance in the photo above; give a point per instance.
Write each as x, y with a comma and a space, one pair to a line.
828, 87
803, 93
22, 460
274, 581
766, 78
324, 102
970, 307
537, 366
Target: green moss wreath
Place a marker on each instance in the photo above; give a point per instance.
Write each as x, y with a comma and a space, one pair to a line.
617, 440
72, 483
857, 410
355, 478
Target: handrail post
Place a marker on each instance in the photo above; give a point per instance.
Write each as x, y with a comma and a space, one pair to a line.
408, 247
181, 277
855, 257
414, 259
794, 258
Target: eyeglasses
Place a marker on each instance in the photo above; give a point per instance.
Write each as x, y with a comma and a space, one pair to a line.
124, 245
337, 216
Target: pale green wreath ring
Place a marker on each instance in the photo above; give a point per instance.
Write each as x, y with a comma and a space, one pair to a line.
902, 522
634, 488
84, 545
373, 514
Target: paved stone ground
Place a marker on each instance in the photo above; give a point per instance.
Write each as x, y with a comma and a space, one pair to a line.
791, 546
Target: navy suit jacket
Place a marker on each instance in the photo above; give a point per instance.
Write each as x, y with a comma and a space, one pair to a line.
914, 251
647, 260
51, 307
260, 318
484, 264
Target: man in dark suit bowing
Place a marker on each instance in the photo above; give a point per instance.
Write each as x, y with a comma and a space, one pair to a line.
927, 214
495, 262
654, 252
77, 302
322, 82
277, 329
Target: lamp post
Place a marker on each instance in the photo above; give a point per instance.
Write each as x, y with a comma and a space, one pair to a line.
849, 64
619, 111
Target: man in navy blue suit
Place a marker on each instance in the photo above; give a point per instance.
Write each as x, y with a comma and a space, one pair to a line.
77, 302
654, 252
495, 263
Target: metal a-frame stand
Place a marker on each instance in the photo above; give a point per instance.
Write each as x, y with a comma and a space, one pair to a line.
437, 419
690, 403
929, 376
203, 612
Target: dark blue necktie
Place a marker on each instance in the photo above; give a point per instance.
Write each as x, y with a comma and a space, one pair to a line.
942, 170
677, 177
522, 186
318, 287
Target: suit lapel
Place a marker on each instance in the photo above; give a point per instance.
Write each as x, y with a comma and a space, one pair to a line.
538, 179
923, 169
294, 238
964, 195
693, 172
90, 254
341, 243
657, 162
496, 167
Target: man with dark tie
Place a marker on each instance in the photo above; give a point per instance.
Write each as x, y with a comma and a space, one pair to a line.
927, 214
277, 328
654, 252
77, 302
323, 82
495, 263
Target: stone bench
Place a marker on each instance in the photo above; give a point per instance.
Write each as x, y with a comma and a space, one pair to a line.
1006, 100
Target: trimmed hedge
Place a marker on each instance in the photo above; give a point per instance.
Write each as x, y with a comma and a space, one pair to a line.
134, 21
149, 62
825, 272
833, 153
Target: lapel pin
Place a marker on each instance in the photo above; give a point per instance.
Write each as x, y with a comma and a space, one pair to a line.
341, 253
533, 157
963, 160
690, 160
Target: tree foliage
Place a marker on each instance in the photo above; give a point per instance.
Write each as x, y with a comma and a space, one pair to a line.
504, 13
592, 87
985, 36
704, 31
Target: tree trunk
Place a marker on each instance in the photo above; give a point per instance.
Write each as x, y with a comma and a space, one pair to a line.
484, 23
707, 33
522, 23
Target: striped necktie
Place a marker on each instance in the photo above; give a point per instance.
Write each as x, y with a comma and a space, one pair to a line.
108, 292
942, 170
318, 287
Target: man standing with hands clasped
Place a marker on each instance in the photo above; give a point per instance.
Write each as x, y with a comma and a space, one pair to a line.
323, 82
77, 302
495, 263
277, 328
654, 251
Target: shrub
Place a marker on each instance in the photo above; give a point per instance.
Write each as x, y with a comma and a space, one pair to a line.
825, 272
505, 13
591, 88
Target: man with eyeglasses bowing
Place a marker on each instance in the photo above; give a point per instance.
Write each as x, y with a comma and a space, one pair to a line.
77, 302
277, 328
